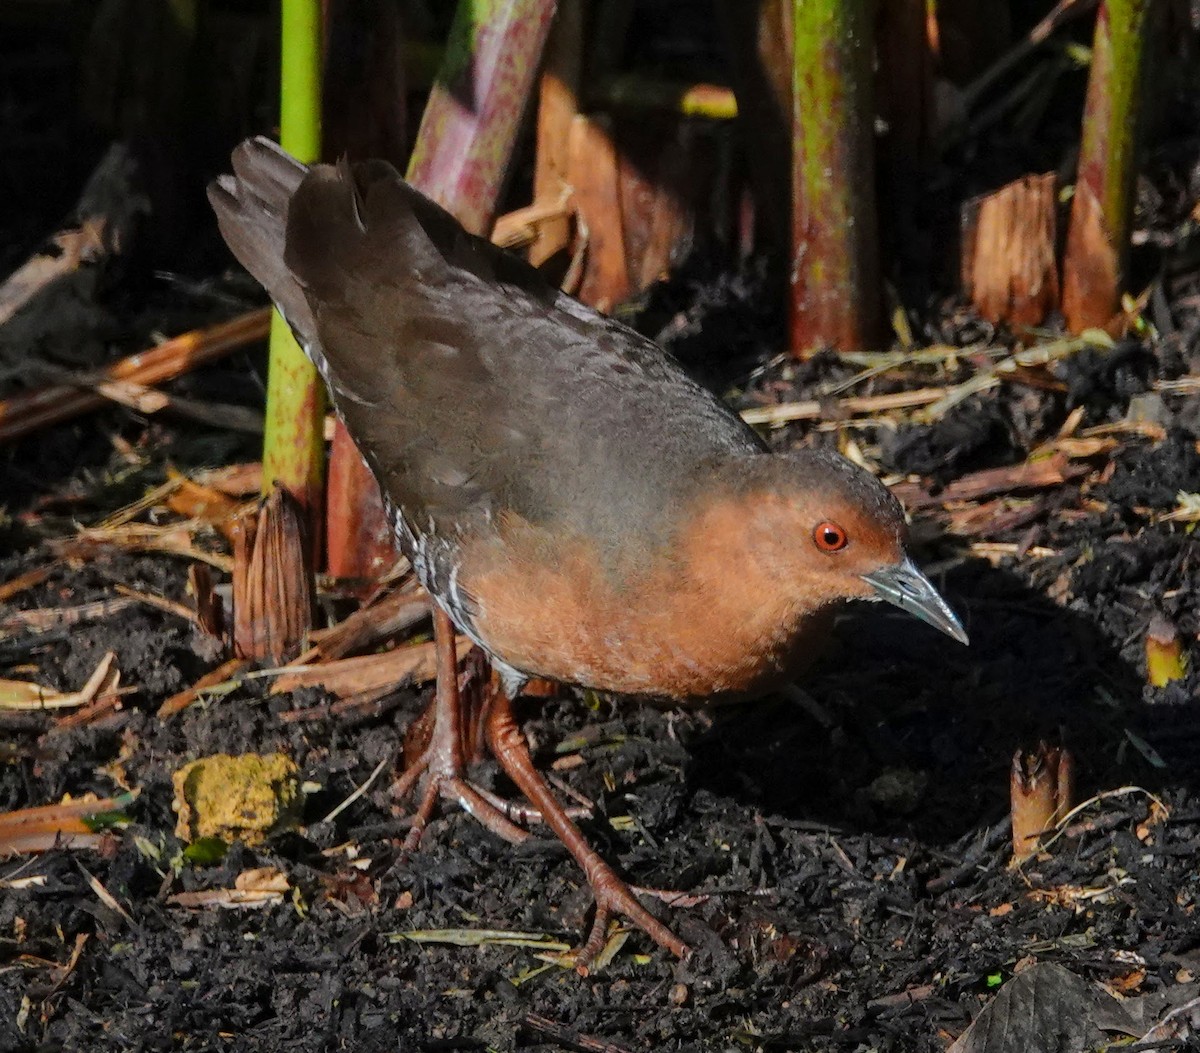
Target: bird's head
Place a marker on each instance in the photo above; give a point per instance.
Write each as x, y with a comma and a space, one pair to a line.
831, 531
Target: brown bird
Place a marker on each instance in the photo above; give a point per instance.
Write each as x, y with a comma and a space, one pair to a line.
575, 503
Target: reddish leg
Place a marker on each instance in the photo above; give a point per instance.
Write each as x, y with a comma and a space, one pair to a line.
443, 758
612, 894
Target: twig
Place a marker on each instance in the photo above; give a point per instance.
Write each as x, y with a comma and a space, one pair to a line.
23, 696
997, 550
174, 540
105, 897
1062, 13
28, 580
180, 610
813, 409
359, 791
28, 412
1121, 791
517, 229
563, 1036
1029, 475
179, 702
42, 619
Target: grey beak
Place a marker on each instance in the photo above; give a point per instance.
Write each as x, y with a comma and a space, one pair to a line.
909, 589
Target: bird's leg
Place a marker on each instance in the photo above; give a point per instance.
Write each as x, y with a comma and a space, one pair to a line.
612, 894
442, 760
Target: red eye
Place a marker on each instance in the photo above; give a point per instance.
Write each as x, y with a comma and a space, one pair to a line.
830, 537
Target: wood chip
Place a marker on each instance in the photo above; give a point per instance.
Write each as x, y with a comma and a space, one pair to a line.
351, 676
256, 888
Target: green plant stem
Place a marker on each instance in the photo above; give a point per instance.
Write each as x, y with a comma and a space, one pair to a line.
835, 296
467, 133
294, 447
1102, 208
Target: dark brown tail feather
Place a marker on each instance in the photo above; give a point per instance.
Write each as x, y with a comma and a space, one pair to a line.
251, 207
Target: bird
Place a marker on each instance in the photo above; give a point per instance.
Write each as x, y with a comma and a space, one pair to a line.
571, 499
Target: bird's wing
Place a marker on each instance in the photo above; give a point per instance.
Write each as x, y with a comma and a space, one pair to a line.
472, 387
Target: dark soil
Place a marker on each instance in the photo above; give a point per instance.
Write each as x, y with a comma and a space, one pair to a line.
852, 849
849, 843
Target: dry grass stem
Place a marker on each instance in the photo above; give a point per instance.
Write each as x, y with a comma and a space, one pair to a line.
23, 696
227, 672
416, 664
26, 413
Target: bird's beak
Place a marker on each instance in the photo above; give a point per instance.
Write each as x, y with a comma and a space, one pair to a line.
905, 586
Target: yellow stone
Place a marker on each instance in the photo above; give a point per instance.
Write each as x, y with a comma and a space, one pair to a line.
243, 798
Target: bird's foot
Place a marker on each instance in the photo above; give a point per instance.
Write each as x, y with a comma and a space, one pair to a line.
612, 895
442, 761
444, 738
445, 781
615, 896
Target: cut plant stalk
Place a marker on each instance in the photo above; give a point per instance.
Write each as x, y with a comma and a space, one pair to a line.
1009, 270
294, 447
179, 702
359, 542
1165, 657
1102, 207
272, 603
1041, 787
835, 287
595, 177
